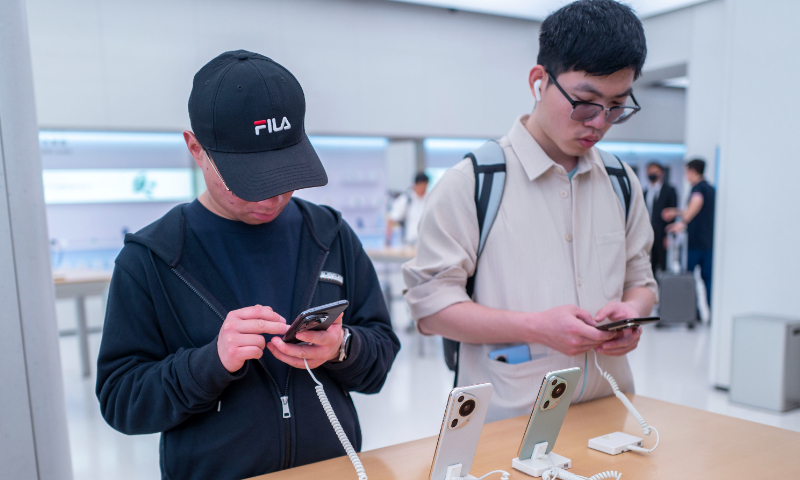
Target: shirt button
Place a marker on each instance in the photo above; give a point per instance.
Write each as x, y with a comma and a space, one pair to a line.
568, 237
580, 281
564, 194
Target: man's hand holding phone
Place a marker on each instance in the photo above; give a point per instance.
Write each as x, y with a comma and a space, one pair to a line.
240, 338
627, 339
324, 346
570, 330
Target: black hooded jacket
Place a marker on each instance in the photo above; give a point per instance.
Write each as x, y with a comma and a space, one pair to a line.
159, 371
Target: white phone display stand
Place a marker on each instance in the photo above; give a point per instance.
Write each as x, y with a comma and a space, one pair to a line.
541, 462
615, 443
454, 473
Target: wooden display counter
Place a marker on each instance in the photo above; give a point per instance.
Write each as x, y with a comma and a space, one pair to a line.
694, 444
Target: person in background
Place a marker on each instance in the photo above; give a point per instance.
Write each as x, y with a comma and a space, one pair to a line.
192, 342
407, 210
698, 220
658, 195
561, 256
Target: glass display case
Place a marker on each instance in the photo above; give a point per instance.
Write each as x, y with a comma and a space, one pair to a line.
100, 185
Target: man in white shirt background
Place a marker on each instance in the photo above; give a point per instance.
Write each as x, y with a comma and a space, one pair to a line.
407, 210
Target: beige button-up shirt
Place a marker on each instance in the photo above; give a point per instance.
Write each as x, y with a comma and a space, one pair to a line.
554, 242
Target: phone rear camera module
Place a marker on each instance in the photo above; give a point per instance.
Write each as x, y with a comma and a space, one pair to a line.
555, 381
502, 358
463, 407
559, 390
467, 408
546, 404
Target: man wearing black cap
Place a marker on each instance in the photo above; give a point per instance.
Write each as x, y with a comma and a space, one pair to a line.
198, 295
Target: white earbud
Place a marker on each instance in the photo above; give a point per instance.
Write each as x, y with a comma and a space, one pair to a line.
536, 93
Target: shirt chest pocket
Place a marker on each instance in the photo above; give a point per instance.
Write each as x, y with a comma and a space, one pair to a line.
610, 260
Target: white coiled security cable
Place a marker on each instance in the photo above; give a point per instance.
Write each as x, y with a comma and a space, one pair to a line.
337, 427
645, 427
348, 447
565, 475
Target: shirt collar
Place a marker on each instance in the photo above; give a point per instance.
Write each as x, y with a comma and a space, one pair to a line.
534, 160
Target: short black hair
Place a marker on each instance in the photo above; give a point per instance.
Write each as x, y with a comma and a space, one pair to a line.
421, 178
698, 165
598, 37
656, 164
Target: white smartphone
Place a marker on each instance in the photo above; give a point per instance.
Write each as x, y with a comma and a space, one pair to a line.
461, 428
555, 395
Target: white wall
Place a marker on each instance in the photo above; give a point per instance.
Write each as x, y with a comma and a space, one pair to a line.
401, 164
368, 67
704, 100
661, 119
669, 39
758, 214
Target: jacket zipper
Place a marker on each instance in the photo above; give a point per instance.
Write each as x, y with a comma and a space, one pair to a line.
316, 279
287, 414
284, 398
198, 294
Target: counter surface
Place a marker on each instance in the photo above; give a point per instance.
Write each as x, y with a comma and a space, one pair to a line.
694, 444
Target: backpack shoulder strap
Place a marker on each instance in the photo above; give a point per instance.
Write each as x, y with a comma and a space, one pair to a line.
619, 179
489, 164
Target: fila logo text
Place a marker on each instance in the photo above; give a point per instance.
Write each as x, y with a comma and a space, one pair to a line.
271, 125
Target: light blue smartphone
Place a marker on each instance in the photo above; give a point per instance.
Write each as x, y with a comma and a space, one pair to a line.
512, 355
549, 411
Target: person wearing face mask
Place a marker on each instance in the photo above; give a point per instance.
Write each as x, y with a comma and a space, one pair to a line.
562, 255
658, 195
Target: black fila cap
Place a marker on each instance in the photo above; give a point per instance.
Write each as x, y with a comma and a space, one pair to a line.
247, 112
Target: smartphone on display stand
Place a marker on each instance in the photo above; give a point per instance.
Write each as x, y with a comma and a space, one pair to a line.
552, 402
461, 428
627, 323
317, 318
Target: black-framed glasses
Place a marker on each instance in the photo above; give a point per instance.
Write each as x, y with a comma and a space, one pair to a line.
585, 111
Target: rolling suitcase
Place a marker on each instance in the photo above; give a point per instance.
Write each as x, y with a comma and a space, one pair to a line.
678, 296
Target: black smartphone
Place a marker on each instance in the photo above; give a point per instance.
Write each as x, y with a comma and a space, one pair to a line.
627, 323
317, 318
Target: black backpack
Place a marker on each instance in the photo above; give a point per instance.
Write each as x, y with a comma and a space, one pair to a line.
489, 165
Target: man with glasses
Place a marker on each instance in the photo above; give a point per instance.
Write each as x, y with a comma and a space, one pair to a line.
563, 254
201, 298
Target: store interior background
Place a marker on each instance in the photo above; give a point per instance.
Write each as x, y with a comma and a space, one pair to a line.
393, 87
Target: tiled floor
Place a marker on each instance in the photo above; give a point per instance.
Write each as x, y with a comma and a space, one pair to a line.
670, 364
